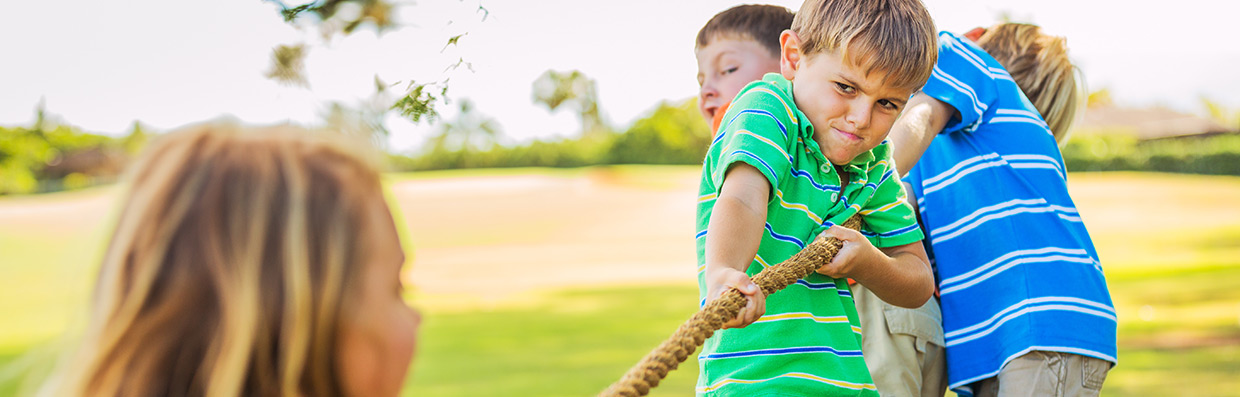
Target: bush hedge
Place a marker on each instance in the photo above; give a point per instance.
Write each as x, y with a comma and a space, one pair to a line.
1212, 155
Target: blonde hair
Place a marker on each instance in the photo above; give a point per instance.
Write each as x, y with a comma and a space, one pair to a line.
228, 268
1039, 63
894, 37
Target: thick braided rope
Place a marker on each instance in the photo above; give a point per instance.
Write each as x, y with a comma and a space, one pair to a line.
654, 367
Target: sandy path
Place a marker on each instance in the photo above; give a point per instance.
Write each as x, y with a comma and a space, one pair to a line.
493, 236
476, 237
57, 214
488, 237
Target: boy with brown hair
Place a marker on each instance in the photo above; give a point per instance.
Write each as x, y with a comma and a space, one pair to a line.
903, 348
736, 47
796, 154
1027, 312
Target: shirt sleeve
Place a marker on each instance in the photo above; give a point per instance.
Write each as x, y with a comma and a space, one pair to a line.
962, 79
887, 219
755, 131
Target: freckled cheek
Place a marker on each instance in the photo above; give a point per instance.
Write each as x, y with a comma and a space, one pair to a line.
882, 127
728, 89
831, 105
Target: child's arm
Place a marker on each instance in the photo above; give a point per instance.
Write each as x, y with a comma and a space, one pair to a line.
898, 275
733, 235
923, 118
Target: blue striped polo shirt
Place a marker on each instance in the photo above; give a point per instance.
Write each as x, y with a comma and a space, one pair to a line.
1016, 268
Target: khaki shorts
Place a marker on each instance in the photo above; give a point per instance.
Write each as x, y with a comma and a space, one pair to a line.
903, 348
1045, 373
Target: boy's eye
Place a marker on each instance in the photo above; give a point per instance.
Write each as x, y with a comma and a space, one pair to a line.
845, 88
889, 105
730, 70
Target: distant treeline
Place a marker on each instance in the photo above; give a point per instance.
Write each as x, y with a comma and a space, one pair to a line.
1210, 154
673, 134
47, 158
676, 134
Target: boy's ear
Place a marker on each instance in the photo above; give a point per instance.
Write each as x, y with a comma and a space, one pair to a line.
789, 54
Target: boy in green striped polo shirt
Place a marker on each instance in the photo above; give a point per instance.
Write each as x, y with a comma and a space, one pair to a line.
796, 154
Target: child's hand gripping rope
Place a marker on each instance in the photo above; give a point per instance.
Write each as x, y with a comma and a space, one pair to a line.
654, 367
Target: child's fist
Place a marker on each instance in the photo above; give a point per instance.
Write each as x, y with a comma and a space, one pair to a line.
721, 279
856, 249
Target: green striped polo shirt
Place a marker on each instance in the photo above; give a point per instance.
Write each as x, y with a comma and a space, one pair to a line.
809, 341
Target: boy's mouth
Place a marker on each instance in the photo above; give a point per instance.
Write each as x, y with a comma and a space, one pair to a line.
847, 135
710, 110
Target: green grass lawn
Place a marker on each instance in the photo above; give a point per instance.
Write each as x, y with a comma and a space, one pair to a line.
576, 342
1177, 296
568, 343
1187, 341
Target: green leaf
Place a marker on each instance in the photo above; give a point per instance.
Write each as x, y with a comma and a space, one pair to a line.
291, 14
453, 41
287, 65
417, 104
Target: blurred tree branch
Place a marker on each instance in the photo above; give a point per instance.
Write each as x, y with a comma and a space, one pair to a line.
343, 17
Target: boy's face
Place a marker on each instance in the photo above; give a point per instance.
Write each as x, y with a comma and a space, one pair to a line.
725, 66
851, 112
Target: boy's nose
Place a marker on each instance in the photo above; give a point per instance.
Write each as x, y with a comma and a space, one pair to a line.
707, 91
859, 115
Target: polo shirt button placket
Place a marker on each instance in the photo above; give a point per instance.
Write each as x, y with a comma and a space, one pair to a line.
828, 169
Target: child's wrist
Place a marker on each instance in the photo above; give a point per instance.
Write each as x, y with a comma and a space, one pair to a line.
713, 268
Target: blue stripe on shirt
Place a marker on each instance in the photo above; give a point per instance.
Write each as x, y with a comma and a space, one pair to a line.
775, 352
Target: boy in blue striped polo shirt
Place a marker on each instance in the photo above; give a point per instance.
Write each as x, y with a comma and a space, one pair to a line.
1025, 305
795, 155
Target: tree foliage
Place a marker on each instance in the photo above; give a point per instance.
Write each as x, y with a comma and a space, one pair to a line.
1099, 99
343, 17
673, 133
1229, 118
48, 156
1208, 154
470, 130
555, 89
288, 65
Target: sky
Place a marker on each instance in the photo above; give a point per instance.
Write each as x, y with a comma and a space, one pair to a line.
103, 65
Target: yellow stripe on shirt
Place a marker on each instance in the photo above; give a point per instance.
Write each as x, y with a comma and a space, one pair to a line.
797, 206
883, 208
802, 316
766, 141
791, 116
799, 375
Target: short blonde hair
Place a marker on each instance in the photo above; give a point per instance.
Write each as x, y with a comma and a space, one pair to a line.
1039, 63
229, 268
895, 37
